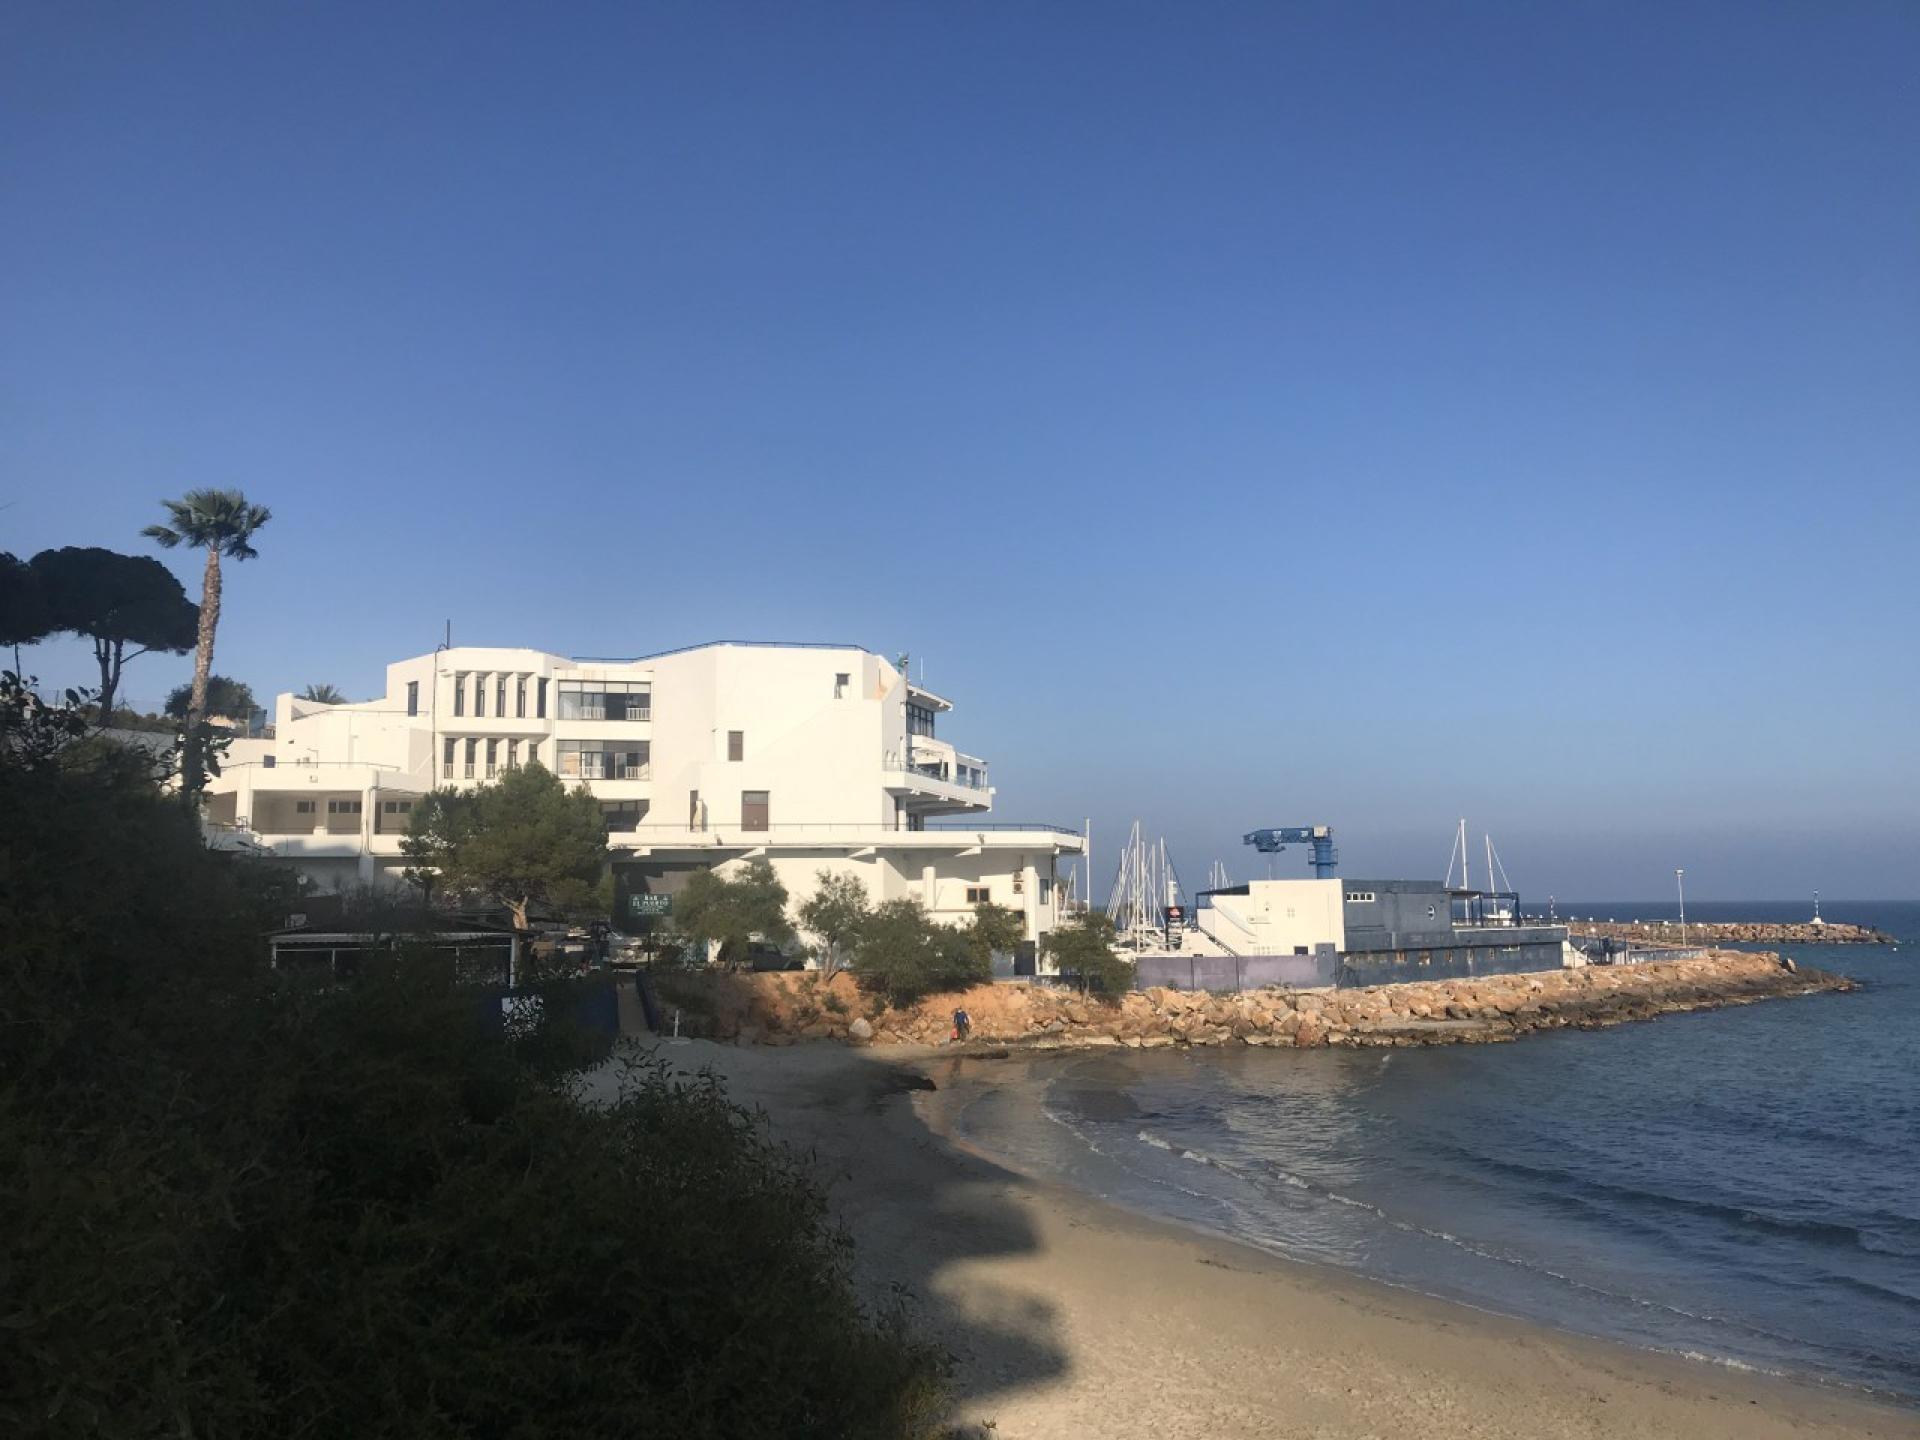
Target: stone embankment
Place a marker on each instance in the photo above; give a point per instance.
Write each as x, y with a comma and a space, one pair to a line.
1737, 932
780, 1009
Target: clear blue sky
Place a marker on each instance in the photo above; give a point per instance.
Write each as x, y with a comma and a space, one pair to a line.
1253, 414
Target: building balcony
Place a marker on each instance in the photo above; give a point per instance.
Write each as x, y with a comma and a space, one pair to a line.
317, 777
649, 838
929, 794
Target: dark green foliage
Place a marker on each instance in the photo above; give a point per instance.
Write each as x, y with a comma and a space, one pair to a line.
1082, 949
115, 600
24, 617
904, 955
237, 1203
324, 695
734, 911
835, 912
519, 841
229, 699
996, 930
220, 521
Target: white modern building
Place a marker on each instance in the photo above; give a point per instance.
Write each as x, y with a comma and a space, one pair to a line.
811, 756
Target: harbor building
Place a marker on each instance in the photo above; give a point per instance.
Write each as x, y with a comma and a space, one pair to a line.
810, 756
1335, 931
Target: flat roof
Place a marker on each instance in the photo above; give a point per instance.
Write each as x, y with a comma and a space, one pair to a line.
716, 645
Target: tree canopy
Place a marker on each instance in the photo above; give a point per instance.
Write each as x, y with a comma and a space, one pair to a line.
996, 930
519, 841
223, 521
1082, 947
229, 699
114, 600
732, 911
835, 912
23, 607
904, 954
324, 695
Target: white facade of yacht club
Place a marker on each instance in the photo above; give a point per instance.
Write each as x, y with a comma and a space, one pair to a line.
810, 756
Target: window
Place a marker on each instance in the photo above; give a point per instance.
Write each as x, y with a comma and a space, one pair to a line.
1046, 890
267, 762
447, 771
520, 698
513, 754
303, 807
623, 815
500, 698
493, 758
413, 697
1299, 949
840, 684
533, 752
540, 705
397, 807
604, 759
736, 744
693, 809
605, 700
919, 720
753, 810
473, 748
1359, 897
480, 695
343, 807
460, 693
979, 894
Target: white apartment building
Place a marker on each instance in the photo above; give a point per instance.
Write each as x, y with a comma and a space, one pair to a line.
810, 756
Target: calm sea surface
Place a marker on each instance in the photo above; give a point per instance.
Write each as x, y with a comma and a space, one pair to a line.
1742, 1184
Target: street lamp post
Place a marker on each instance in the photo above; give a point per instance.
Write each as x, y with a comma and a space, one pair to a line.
1680, 881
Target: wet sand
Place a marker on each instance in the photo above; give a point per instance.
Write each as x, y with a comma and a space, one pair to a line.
1069, 1317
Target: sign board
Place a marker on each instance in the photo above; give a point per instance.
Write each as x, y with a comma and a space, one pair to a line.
640, 906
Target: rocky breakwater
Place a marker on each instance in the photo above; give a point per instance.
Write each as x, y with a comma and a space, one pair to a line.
780, 1009
1734, 932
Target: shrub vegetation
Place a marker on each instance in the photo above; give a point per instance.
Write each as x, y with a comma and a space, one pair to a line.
1082, 949
237, 1203
903, 955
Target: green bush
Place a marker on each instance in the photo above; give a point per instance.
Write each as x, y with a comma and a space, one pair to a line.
237, 1203
904, 955
1081, 948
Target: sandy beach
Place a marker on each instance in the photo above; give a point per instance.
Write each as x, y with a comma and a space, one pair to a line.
1070, 1317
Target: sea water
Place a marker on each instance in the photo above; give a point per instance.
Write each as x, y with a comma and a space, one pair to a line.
1742, 1185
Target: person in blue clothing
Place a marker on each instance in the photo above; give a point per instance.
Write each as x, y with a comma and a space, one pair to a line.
962, 1025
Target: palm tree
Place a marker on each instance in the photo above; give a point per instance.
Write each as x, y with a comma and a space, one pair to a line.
222, 523
324, 695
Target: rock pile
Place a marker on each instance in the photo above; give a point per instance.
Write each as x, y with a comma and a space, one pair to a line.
780, 1009
1740, 932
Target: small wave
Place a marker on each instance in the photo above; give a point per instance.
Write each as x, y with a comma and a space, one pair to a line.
1876, 1291
1482, 1252
1827, 1232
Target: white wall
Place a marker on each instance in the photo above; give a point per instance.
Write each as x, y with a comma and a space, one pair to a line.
1280, 916
824, 760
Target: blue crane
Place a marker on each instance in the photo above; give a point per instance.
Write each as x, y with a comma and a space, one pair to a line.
1320, 837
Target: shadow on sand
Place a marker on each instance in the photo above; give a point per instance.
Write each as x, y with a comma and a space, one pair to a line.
920, 1212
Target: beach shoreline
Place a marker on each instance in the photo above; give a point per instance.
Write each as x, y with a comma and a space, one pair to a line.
1068, 1315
